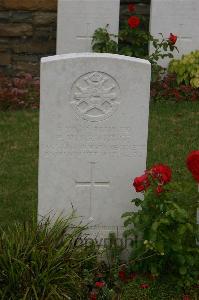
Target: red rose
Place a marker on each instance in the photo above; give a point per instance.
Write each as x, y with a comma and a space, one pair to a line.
144, 286
186, 297
133, 22
161, 172
193, 164
172, 38
100, 284
131, 7
141, 183
122, 275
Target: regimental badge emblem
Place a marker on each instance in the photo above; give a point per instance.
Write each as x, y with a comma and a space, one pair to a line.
95, 96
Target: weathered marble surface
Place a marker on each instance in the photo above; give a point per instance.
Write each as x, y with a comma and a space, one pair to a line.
93, 135
180, 17
77, 20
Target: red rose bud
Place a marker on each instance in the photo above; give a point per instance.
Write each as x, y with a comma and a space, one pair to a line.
141, 183
144, 286
172, 38
193, 164
122, 275
161, 172
131, 7
100, 284
133, 22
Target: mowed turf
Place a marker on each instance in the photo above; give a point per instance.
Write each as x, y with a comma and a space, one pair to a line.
173, 133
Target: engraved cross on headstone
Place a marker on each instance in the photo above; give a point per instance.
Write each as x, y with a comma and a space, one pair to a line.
88, 33
92, 183
185, 38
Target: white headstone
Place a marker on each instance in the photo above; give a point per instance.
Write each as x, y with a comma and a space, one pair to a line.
93, 135
77, 21
180, 17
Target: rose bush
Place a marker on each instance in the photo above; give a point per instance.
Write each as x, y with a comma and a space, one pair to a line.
133, 40
164, 233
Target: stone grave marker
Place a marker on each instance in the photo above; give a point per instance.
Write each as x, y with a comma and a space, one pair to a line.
77, 20
179, 17
93, 136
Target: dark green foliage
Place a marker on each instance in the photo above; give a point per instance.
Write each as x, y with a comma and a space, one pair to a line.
135, 43
103, 43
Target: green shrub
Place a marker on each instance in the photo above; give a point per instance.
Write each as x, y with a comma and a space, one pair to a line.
133, 43
165, 232
186, 69
133, 40
44, 261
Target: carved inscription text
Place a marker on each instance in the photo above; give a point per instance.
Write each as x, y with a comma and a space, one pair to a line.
98, 140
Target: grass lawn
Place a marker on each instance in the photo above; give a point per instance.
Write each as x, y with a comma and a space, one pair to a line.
173, 132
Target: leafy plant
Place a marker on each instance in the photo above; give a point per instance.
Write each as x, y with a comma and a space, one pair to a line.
167, 89
133, 40
18, 92
44, 261
186, 69
164, 232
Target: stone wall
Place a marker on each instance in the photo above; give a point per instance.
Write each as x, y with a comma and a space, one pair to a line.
28, 31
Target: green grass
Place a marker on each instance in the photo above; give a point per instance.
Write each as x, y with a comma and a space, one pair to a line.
173, 132
18, 165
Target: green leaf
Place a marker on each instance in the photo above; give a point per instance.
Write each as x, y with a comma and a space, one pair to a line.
138, 202
181, 229
127, 214
153, 269
183, 270
129, 232
181, 259
155, 226
128, 221
177, 247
